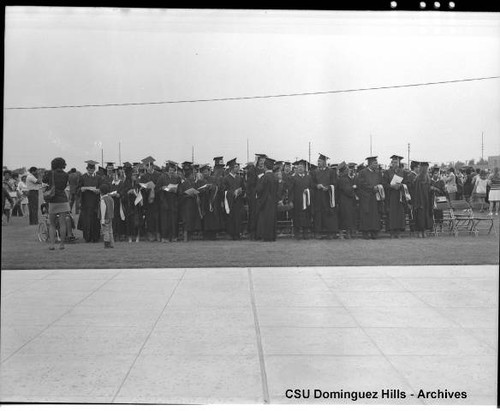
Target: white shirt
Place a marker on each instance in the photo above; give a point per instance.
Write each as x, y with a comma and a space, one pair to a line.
32, 182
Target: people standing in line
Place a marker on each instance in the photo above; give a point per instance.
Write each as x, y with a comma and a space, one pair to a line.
254, 173
494, 195
88, 190
59, 203
33, 184
371, 193
189, 203
168, 194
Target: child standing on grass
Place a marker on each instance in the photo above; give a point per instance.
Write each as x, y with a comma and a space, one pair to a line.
107, 213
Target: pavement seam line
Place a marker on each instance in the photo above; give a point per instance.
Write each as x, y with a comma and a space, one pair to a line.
258, 336
58, 318
398, 373
147, 338
27, 285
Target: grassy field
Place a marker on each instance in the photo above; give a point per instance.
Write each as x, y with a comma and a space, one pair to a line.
22, 250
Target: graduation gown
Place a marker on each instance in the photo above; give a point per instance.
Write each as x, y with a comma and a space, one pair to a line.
301, 212
251, 180
347, 219
423, 205
88, 221
118, 224
168, 206
369, 216
395, 207
234, 219
211, 204
189, 206
325, 215
151, 210
267, 201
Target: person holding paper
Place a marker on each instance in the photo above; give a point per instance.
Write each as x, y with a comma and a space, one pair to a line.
300, 194
167, 192
394, 201
423, 201
369, 183
325, 200
234, 190
189, 206
210, 199
88, 189
151, 204
410, 181
347, 199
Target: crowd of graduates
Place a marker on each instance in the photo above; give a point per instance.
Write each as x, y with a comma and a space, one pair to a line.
324, 201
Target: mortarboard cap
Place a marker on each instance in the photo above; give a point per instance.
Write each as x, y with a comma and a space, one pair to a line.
269, 163
396, 157
287, 163
186, 165
303, 162
91, 163
424, 163
148, 160
171, 164
204, 167
126, 164
261, 155
102, 169
352, 165
342, 166
231, 163
323, 157
360, 167
334, 165
219, 161
371, 159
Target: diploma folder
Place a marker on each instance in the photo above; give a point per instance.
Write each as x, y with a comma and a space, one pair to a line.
171, 188
396, 180
191, 191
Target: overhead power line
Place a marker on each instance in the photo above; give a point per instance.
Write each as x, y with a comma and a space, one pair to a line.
311, 93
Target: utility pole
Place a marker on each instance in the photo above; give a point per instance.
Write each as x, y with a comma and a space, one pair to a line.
120, 152
192, 154
371, 145
309, 152
102, 157
408, 155
247, 151
482, 145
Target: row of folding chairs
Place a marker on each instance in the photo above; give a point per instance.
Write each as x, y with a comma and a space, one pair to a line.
459, 217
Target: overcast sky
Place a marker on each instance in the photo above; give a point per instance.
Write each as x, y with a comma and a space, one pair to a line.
57, 56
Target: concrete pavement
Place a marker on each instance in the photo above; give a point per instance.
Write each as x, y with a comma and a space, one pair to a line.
247, 335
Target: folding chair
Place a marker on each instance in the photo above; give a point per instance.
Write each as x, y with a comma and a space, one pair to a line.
447, 222
478, 223
464, 216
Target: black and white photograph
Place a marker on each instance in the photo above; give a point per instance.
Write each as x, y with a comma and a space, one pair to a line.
250, 206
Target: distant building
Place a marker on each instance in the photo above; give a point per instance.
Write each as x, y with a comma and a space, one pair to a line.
493, 161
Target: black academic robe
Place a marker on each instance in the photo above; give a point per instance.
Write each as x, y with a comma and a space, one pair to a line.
211, 204
119, 227
251, 180
301, 211
189, 206
423, 204
393, 200
347, 219
325, 216
151, 203
134, 213
369, 216
231, 183
168, 206
88, 221
267, 200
